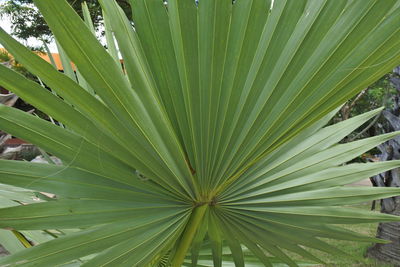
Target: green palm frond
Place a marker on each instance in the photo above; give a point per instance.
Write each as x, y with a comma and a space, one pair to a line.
208, 145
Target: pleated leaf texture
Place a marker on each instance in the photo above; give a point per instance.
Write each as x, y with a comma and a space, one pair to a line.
207, 146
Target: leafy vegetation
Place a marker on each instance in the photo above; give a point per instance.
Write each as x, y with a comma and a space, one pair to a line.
27, 22
358, 250
381, 93
207, 146
7, 59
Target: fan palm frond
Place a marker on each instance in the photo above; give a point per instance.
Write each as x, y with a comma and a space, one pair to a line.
208, 146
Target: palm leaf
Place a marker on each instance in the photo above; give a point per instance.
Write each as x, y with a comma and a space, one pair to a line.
208, 145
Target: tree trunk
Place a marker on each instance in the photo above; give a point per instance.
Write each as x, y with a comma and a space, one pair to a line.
388, 231
390, 150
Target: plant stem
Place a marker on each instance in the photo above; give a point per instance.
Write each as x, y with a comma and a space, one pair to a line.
187, 238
